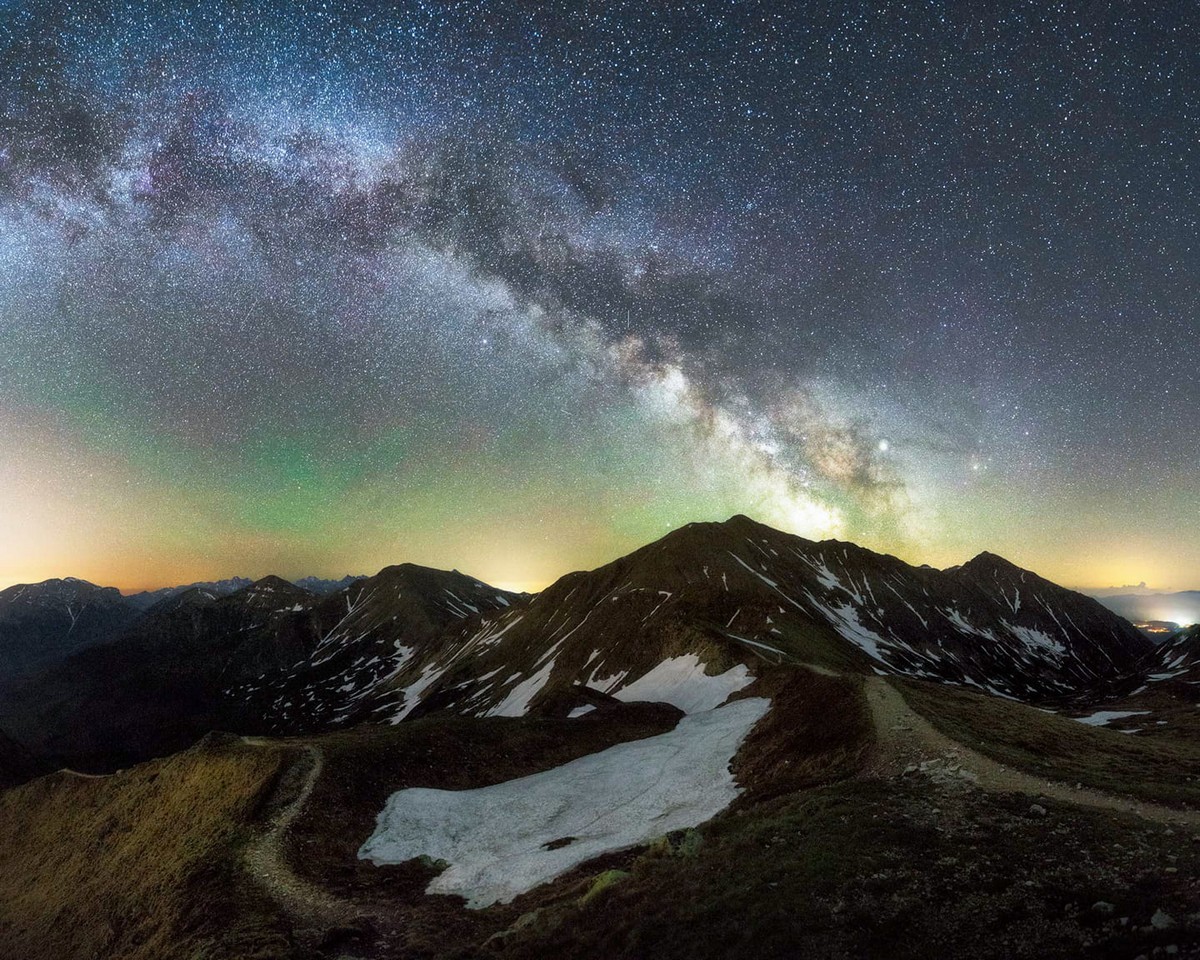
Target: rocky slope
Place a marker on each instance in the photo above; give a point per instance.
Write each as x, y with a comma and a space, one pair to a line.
692, 616
1159, 695
364, 635
267, 657
1177, 661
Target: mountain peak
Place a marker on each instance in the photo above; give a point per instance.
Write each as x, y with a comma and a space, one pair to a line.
992, 563
986, 556
270, 589
274, 582
421, 574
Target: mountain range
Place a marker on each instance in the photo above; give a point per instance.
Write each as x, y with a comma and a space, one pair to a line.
433, 764
271, 657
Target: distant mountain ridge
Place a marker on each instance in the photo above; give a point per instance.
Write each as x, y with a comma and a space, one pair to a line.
41, 623
222, 588
686, 620
186, 665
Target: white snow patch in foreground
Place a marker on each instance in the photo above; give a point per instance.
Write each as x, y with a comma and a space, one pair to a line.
494, 838
682, 682
581, 711
1103, 717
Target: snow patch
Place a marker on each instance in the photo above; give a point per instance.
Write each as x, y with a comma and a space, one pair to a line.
682, 682
1036, 641
1103, 717
495, 838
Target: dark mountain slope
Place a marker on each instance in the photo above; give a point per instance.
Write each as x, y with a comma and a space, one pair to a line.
1177, 661
156, 689
1161, 695
17, 765
269, 657
41, 623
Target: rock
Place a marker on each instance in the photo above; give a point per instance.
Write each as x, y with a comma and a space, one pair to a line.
1104, 907
1037, 810
1161, 920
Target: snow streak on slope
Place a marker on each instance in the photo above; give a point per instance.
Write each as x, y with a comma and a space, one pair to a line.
496, 838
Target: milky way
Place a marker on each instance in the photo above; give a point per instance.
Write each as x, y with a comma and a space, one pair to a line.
516, 288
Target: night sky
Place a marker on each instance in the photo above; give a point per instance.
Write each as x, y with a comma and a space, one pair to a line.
318, 287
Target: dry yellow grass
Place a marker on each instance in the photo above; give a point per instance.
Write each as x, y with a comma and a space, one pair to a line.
135, 865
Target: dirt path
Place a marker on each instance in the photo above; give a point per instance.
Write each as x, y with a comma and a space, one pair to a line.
266, 860
906, 740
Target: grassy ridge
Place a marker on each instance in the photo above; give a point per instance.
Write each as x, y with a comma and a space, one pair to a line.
1161, 770
140, 865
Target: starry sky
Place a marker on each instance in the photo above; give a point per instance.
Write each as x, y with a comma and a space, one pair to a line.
314, 287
